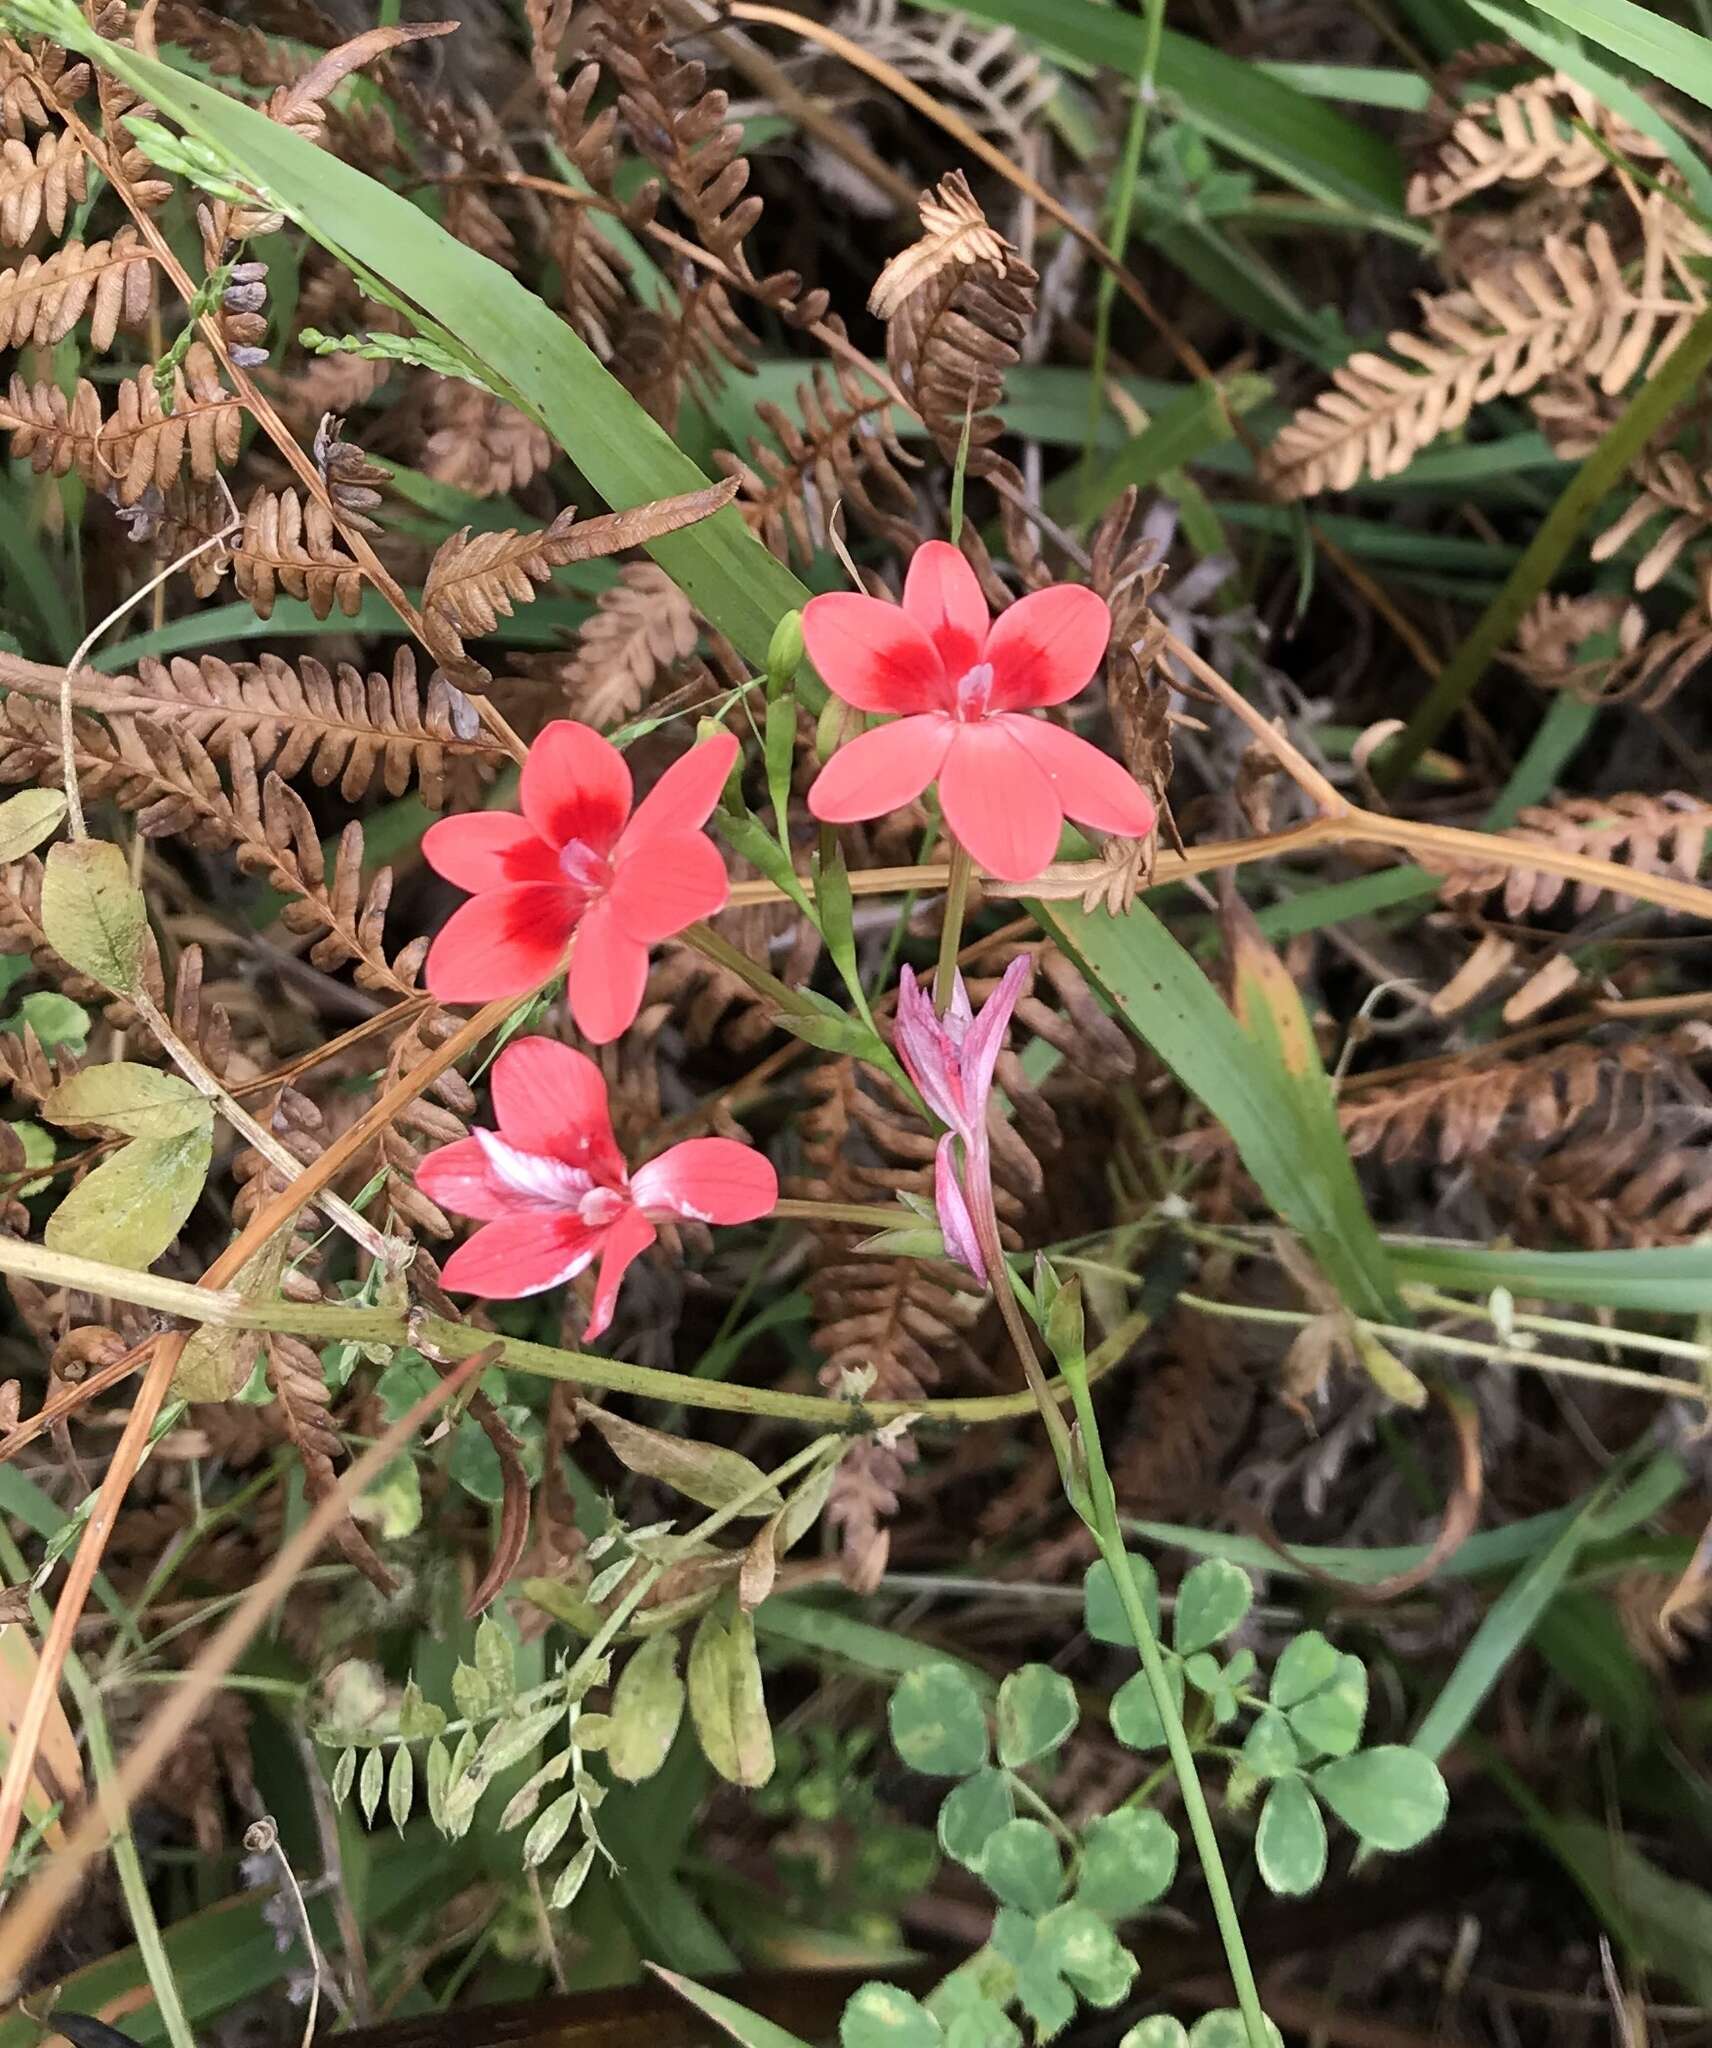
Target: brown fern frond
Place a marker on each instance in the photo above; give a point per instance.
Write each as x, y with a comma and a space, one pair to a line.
1670, 487
294, 1372
640, 627
659, 358
845, 449
289, 543
1568, 307
990, 74
594, 278
480, 444
958, 305
350, 477
40, 185
144, 443
680, 125
55, 434
1524, 136
1655, 835
35, 82
475, 580
45, 297
1559, 642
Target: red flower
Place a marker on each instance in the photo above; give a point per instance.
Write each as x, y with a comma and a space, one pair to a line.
963, 684
578, 860
551, 1189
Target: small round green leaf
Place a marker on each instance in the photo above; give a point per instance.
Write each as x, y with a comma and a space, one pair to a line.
1161, 2031
1135, 1718
1085, 1950
1037, 1711
972, 1812
1391, 1797
1128, 1861
938, 1724
26, 820
1021, 1866
1270, 1750
882, 2016
1211, 1601
93, 913
1227, 2029
1103, 1609
1290, 1843
1328, 1722
647, 1706
56, 1020
1308, 1662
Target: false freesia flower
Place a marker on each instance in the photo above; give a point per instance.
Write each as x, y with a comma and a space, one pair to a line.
579, 860
951, 1060
552, 1192
962, 686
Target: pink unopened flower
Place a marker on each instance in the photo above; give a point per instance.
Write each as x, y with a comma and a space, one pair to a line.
962, 685
552, 1191
951, 1060
579, 860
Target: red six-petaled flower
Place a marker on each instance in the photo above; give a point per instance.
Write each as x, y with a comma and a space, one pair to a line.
578, 860
962, 685
552, 1191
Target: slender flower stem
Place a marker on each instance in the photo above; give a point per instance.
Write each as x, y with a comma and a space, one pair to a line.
951, 932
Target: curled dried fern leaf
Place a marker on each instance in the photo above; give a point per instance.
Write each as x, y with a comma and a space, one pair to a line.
40, 185
34, 83
292, 544
1569, 306
294, 1372
1535, 132
989, 73
1655, 835
639, 629
1671, 488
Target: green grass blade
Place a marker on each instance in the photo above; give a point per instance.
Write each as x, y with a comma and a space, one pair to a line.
519, 340
738, 2021
1673, 1280
1279, 1115
1642, 36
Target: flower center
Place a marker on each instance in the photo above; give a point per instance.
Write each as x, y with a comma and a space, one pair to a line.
584, 867
974, 690
599, 1207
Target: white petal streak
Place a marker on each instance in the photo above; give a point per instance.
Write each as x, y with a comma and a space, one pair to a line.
538, 1181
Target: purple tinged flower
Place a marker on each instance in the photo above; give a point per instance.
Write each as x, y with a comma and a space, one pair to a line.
951, 1060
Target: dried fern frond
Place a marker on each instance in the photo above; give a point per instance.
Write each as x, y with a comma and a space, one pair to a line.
959, 305
639, 628
45, 297
35, 81
289, 543
680, 125
1668, 486
989, 73
142, 443
475, 580
40, 185
1525, 136
660, 357
350, 477
1558, 640
1655, 835
845, 449
1569, 307
1456, 1111
480, 444
294, 1372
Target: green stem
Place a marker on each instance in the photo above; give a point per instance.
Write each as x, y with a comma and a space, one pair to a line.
722, 953
951, 931
1101, 1515
1129, 173
1641, 418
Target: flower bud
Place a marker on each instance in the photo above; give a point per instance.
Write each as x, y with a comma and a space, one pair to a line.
784, 653
732, 794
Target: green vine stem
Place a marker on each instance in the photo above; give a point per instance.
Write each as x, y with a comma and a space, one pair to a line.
1094, 1499
951, 931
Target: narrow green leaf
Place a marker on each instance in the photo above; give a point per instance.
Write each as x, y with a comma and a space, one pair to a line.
550, 1830
344, 1776
1674, 55
739, 2022
371, 1782
727, 1702
400, 1786
572, 1878
703, 1472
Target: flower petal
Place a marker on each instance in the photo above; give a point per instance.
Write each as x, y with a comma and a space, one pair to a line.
874, 655
710, 1180
552, 1098
999, 804
986, 1038
1093, 788
924, 1045
629, 1234
459, 1178
881, 770
943, 595
575, 785
684, 797
503, 942
1047, 646
956, 1225
520, 1255
666, 882
609, 971
487, 849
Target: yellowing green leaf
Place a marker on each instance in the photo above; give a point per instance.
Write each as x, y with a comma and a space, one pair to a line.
132, 1100
216, 1362
133, 1205
93, 913
26, 820
703, 1472
726, 1700
647, 1706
